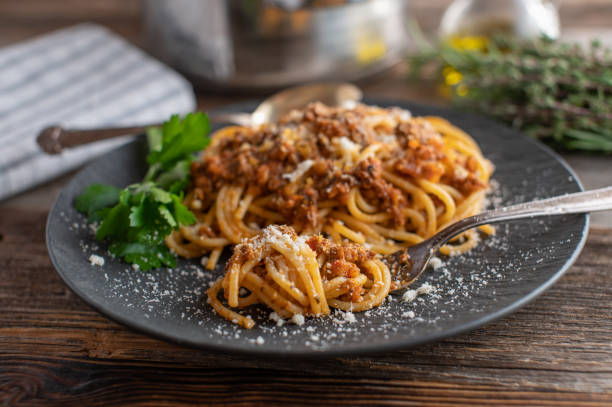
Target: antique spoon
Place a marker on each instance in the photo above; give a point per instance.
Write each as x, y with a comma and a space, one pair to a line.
54, 139
408, 264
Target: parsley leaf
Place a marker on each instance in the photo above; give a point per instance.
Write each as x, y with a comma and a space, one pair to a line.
113, 224
176, 178
136, 220
183, 215
179, 139
146, 256
96, 197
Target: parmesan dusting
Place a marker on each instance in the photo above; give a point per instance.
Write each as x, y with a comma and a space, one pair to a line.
411, 295
298, 319
435, 263
277, 318
96, 260
301, 169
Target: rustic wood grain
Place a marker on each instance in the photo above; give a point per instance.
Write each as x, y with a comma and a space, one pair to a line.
54, 348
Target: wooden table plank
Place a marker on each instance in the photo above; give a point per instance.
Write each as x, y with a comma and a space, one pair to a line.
556, 351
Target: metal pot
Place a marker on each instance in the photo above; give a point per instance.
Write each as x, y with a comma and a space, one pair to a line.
270, 44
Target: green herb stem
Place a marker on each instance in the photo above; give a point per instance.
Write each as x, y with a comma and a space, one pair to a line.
557, 92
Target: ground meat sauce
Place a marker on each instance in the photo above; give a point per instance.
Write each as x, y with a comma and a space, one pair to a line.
265, 159
341, 261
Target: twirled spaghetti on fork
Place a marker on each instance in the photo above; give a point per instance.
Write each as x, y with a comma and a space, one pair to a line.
299, 275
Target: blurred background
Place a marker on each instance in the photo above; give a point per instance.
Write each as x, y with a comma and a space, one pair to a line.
243, 49
22, 19
260, 45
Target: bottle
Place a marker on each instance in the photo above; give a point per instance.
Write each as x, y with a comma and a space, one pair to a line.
485, 18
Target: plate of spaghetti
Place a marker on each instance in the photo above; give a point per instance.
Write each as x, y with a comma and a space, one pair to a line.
293, 220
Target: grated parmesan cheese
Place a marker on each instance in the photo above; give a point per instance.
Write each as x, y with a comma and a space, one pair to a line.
411, 295
349, 317
96, 260
435, 263
298, 319
301, 169
277, 318
347, 145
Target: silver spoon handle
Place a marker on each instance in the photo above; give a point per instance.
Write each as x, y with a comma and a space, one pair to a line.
241, 119
580, 202
55, 139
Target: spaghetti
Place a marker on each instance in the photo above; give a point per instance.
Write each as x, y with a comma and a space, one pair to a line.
299, 275
372, 176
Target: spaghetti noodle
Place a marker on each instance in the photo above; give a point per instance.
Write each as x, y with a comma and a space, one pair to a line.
376, 177
299, 275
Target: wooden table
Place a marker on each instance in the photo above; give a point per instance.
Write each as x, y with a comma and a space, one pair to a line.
54, 349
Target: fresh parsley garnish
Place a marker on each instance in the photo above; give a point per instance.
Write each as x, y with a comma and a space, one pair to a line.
136, 220
95, 198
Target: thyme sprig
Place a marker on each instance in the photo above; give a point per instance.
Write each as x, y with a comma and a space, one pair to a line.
558, 92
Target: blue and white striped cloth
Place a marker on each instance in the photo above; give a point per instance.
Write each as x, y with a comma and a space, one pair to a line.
80, 77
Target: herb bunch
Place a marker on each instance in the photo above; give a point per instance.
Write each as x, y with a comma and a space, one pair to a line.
135, 220
553, 91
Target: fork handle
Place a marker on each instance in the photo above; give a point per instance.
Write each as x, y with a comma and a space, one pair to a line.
580, 202
54, 139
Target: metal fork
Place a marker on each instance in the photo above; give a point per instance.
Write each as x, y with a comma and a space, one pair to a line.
408, 264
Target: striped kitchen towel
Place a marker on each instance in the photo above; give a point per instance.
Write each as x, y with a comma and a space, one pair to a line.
79, 77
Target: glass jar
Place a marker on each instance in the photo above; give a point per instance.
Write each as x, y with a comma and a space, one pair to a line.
523, 18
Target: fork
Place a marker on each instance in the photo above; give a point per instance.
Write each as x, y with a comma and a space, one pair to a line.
408, 264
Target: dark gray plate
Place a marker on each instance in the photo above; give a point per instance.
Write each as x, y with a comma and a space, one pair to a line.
502, 274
